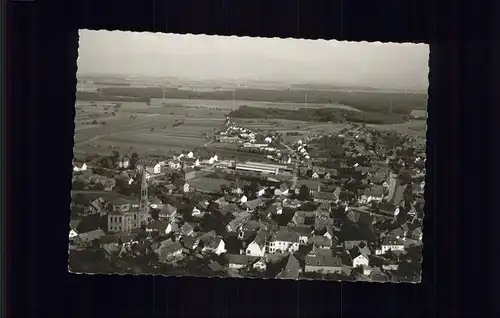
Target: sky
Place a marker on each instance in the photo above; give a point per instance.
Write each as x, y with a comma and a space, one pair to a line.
378, 65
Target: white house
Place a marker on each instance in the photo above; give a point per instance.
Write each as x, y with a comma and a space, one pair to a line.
157, 168
258, 245
360, 260
72, 234
392, 244
190, 155
315, 175
260, 264
197, 162
284, 241
244, 199
82, 168
217, 246
268, 140
197, 212
186, 188
261, 192
130, 181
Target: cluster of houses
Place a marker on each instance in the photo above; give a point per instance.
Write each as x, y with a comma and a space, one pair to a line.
356, 220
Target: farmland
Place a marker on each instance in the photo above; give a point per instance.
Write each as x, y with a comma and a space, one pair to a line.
186, 124
135, 127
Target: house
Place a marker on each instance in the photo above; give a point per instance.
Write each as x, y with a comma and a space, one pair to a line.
172, 227
157, 226
235, 224
170, 188
248, 229
325, 197
237, 261
94, 207
284, 241
320, 241
189, 242
88, 237
258, 246
197, 213
169, 252
358, 258
283, 189
187, 229
375, 193
323, 263
302, 217
72, 234
315, 176
215, 267
253, 204
291, 270
417, 234
212, 243
392, 244
157, 168
186, 188
168, 212
243, 199
260, 265
303, 231
77, 168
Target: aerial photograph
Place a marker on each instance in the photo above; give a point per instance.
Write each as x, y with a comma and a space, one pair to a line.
225, 156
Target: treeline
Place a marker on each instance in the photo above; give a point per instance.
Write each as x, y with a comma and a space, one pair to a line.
99, 97
334, 115
111, 84
367, 101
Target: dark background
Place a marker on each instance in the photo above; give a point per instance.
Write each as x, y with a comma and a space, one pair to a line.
458, 256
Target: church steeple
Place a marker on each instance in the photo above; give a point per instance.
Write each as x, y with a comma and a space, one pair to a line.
143, 204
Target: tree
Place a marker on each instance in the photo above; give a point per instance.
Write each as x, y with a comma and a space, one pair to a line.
133, 160
304, 194
115, 155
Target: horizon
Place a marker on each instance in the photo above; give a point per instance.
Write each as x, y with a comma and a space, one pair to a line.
397, 66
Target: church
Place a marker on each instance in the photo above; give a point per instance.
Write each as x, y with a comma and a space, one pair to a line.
126, 215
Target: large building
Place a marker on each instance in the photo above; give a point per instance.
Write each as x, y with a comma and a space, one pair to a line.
126, 215
260, 167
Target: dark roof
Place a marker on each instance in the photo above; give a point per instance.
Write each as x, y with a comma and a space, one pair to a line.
240, 259
253, 203
392, 241
324, 196
286, 236
291, 270
120, 201
323, 260
301, 229
170, 248
320, 240
188, 241
215, 267
398, 194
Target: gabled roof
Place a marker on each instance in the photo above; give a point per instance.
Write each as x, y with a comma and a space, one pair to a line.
323, 261
291, 270
324, 196
286, 236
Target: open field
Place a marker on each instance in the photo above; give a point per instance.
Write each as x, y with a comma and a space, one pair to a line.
136, 127
416, 128
208, 184
376, 101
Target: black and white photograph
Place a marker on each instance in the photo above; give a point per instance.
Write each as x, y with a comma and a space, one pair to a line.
241, 157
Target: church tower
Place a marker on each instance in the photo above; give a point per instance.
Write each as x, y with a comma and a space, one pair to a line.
144, 204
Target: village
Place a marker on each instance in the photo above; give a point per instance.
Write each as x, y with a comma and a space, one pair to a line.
337, 206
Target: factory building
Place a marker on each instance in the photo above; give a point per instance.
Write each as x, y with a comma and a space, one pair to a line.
260, 167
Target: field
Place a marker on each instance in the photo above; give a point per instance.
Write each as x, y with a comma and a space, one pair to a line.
135, 127
158, 130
